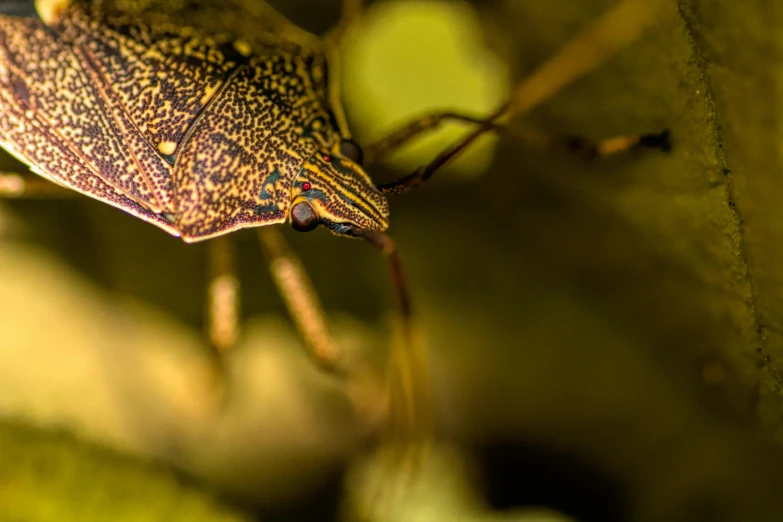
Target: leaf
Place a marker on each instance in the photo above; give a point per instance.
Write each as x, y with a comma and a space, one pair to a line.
49, 477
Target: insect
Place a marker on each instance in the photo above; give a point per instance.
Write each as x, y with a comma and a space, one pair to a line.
203, 118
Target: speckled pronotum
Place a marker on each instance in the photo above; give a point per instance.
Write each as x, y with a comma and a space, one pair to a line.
206, 117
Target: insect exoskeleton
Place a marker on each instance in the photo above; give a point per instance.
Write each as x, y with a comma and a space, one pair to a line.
199, 132
335, 192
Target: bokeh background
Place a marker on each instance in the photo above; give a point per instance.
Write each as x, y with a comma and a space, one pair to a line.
604, 336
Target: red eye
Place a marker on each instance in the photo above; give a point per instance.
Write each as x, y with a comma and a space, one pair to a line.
306, 186
327, 158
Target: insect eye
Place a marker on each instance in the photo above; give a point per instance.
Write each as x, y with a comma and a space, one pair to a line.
351, 150
303, 217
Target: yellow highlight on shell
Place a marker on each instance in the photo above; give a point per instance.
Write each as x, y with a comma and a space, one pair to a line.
243, 48
167, 148
51, 10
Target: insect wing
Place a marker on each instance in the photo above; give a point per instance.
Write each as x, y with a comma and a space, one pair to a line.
162, 79
52, 118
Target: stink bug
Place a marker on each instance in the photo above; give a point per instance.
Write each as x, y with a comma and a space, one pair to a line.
203, 118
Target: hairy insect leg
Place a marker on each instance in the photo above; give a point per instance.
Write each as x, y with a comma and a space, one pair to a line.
576, 145
398, 398
613, 31
400, 137
615, 145
410, 130
587, 149
26, 186
301, 300
223, 296
222, 314
364, 385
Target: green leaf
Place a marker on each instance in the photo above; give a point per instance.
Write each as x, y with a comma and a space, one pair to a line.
52, 477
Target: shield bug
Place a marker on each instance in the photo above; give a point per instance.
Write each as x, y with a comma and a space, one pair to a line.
204, 117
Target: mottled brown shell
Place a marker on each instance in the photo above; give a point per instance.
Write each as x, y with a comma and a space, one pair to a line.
158, 109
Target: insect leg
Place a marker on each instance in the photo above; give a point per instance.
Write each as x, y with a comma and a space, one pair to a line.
404, 134
222, 311
223, 306
400, 137
223, 300
571, 144
613, 31
25, 186
615, 145
408, 411
301, 300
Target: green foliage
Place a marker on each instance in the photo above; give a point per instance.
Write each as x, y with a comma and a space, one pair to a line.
51, 477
